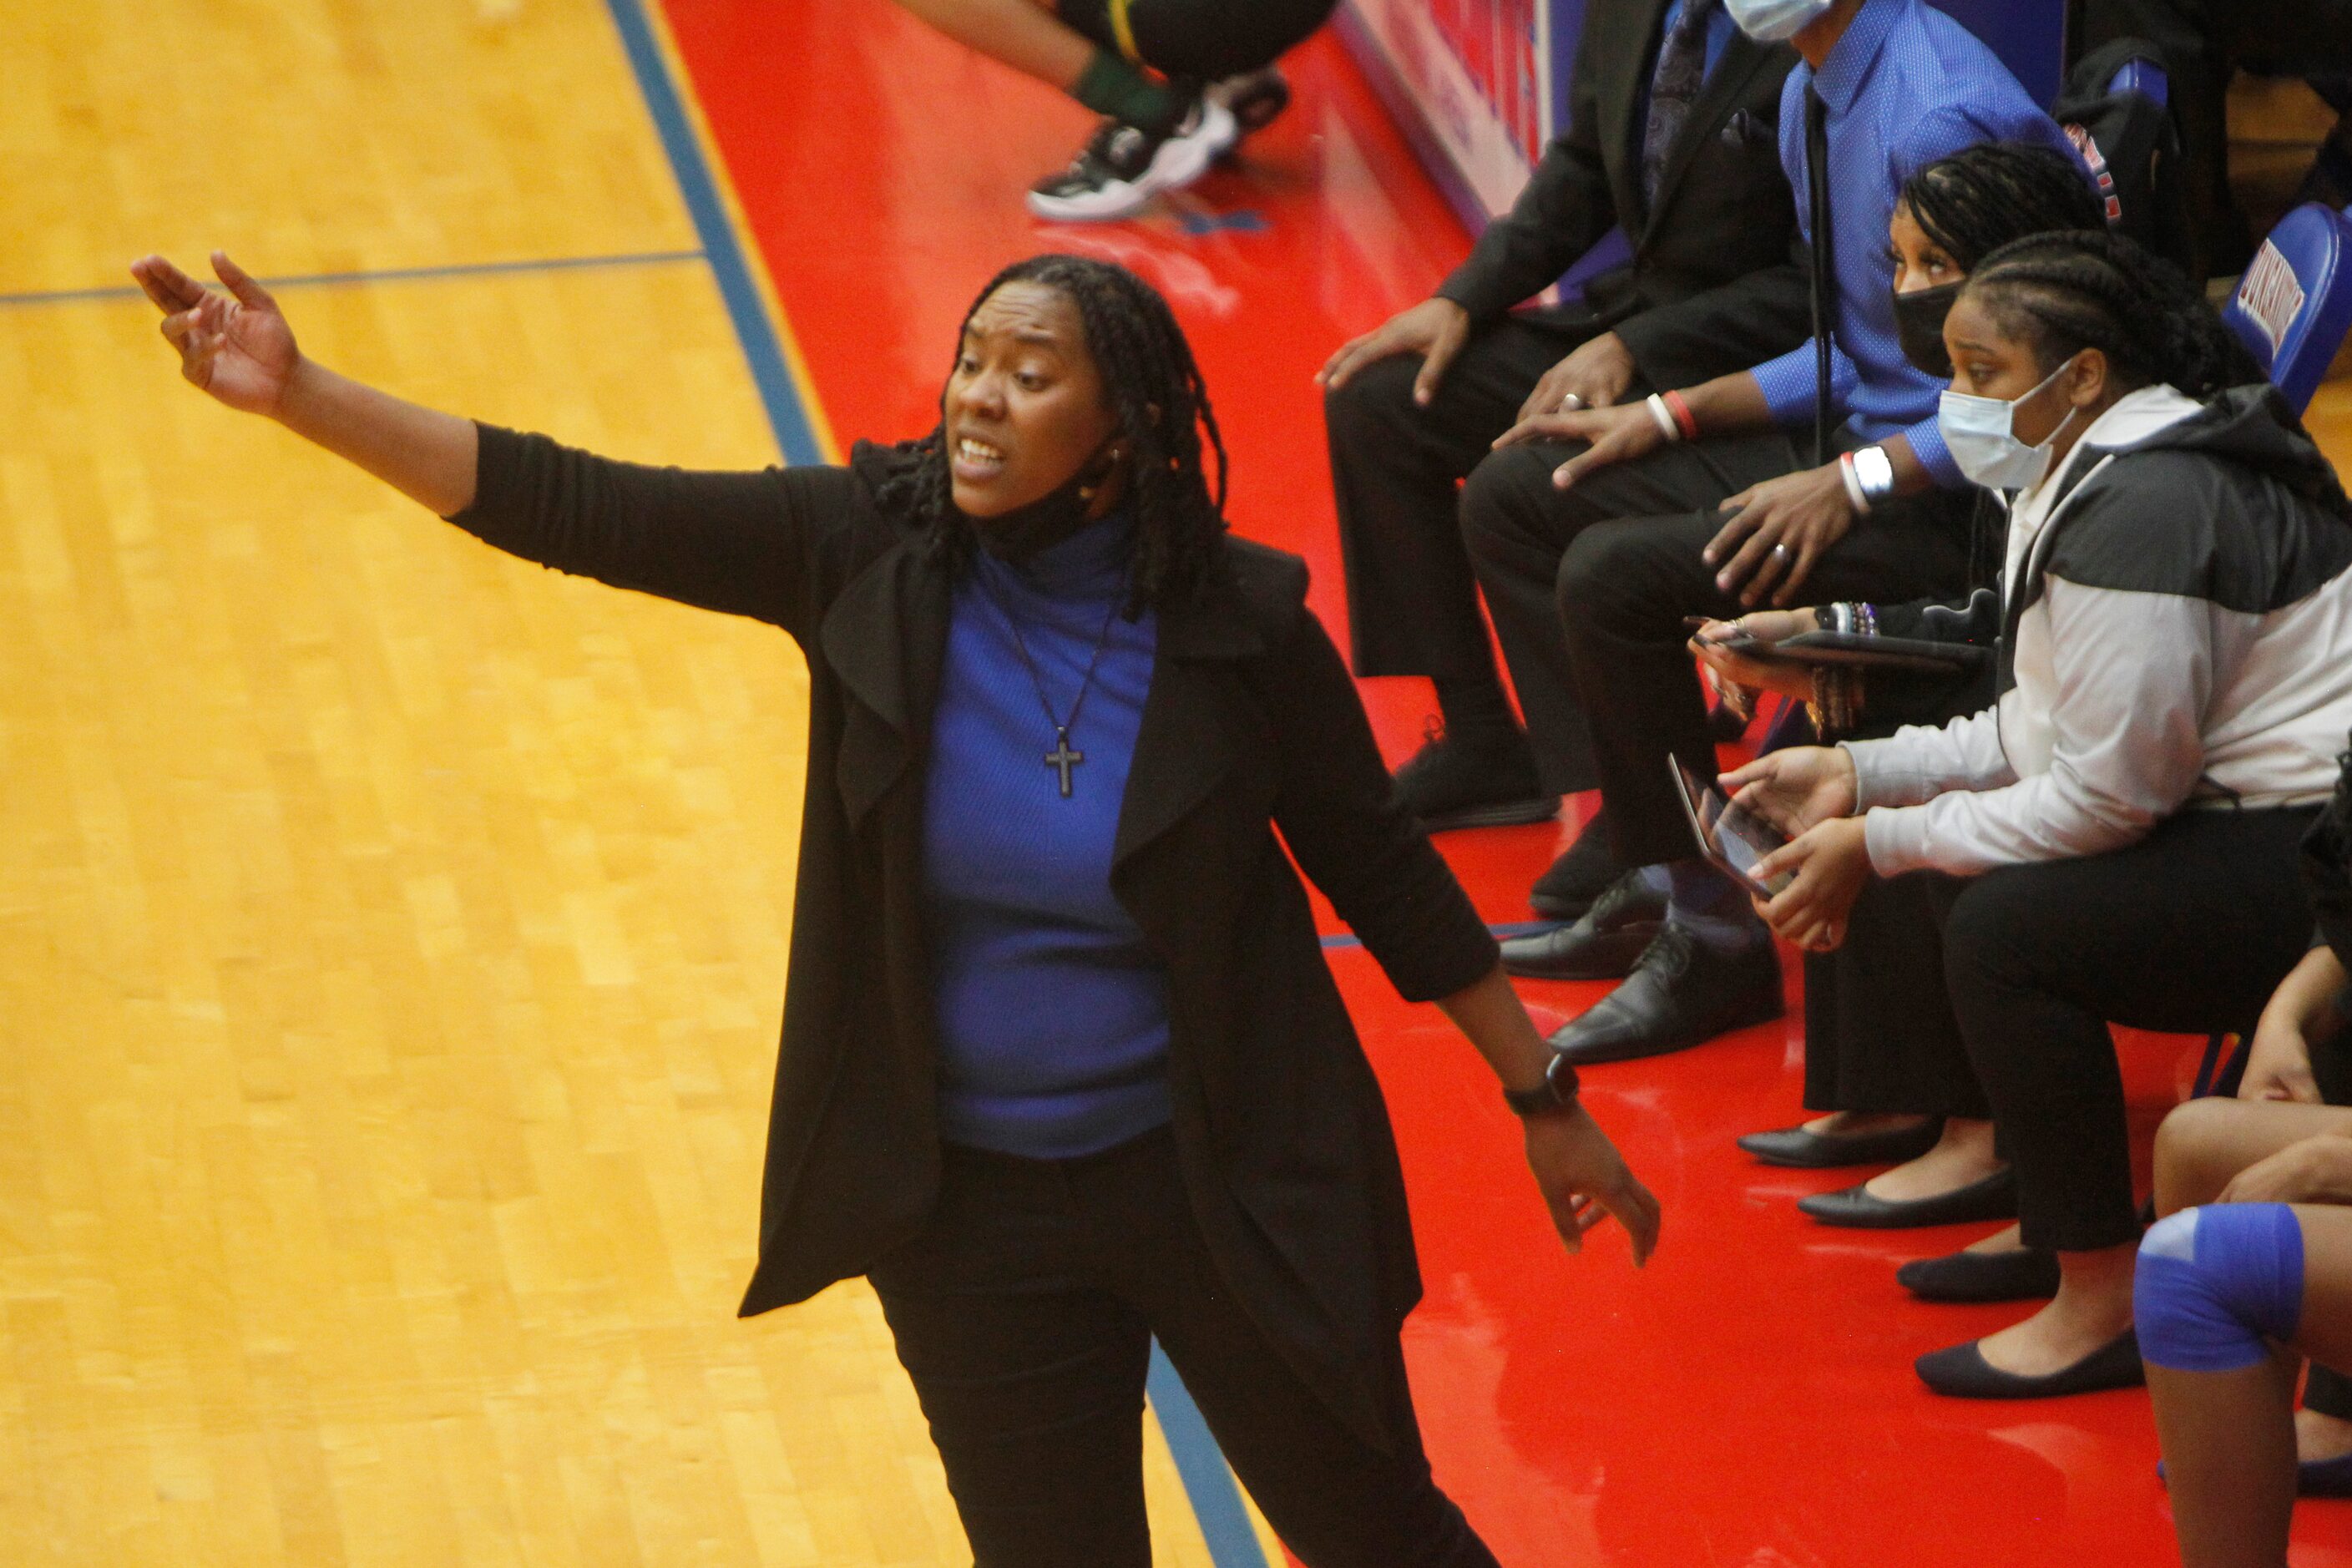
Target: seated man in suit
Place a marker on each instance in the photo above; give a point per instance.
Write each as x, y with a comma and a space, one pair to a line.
1670, 135
1594, 532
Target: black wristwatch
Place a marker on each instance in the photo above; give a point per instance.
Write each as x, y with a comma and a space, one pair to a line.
1556, 1092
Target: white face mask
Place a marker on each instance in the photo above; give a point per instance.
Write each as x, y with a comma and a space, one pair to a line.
1982, 433
1774, 21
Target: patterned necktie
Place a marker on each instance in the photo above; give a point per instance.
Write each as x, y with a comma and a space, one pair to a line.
1674, 86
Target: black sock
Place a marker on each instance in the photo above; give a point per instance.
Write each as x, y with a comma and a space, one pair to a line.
1475, 707
1110, 86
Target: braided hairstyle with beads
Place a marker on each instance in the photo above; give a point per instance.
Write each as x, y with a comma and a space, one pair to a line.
1982, 197
2066, 293
1161, 410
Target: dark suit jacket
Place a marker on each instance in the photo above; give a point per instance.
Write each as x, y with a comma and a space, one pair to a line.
1251, 724
1717, 281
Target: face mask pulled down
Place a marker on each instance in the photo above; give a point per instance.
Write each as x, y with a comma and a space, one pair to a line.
1982, 435
1774, 21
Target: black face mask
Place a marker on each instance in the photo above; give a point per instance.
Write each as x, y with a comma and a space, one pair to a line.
1018, 534
1919, 324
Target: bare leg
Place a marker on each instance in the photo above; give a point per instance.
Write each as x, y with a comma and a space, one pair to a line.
2228, 1458
2094, 1305
2229, 1441
2205, 1142
1023, 34
1963, 1155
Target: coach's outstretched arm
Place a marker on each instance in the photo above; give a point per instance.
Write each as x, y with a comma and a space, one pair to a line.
238, 347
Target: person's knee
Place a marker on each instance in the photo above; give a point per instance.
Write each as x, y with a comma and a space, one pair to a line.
2216, 1285
1371, 406
2195, 1150
1503, 503
1617, 577
1987, 935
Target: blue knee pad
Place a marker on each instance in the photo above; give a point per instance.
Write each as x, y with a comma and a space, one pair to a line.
2215, 1283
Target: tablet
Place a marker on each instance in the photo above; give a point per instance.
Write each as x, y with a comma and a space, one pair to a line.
1732, 838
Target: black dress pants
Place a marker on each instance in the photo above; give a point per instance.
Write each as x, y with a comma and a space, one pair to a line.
2188, 930
1025, 1312
1396, 471
1589, 588
1880, 1036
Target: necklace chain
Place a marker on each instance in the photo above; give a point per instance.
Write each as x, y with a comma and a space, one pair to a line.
1061, 758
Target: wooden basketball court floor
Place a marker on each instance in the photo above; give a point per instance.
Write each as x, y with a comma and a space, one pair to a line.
391, 933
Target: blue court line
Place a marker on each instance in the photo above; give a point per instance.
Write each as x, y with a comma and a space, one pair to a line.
382, 275
763, 349
1226, 1526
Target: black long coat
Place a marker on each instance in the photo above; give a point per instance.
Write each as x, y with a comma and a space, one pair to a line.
1716, 280
1250, 725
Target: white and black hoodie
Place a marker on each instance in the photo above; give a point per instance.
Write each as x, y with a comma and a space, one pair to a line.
2177, 631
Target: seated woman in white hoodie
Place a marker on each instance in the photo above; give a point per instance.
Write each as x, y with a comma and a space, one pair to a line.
2118, 833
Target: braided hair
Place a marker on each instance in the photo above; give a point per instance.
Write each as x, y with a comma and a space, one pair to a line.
2068, 291
1982, 197
1160, 407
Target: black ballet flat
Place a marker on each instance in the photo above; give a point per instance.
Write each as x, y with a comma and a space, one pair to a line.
1962, 1372
2024, 1274
1994, 1197
1799, 1149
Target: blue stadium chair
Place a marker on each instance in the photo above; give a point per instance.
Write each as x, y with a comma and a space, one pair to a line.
2293, 306
2146, 78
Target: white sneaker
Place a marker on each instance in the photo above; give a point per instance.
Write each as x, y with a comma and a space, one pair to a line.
1122, 167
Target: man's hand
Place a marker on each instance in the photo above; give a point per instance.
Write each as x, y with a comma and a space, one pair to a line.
1615, 435
1584, 1180
1797, 788
1595, 376
1435, 329
1777, 529
2315, 1170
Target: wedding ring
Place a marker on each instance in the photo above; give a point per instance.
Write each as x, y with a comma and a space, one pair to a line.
1570, 404
1780, 551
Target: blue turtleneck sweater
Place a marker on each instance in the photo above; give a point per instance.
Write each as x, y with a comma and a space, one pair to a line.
1052, 1009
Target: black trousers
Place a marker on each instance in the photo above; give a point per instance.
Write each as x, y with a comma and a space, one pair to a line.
1589, 588
2188, 930
1201, 39
1396, 470
1880, 1036
1024, 1313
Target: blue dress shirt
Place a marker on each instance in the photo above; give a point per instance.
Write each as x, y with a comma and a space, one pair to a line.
1907, 85
1052, 1006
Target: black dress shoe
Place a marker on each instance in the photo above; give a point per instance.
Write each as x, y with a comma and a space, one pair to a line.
1963, 1373
1484, 778
1603, 945
1994, 1197
2022, 1274
1682, 993
1575, 881
1803, 1150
